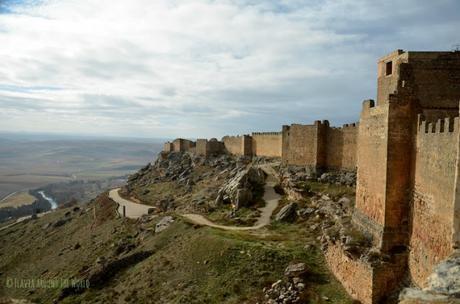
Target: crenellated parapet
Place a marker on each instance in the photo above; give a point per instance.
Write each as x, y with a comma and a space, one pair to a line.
266, 133
441, 125
434, 201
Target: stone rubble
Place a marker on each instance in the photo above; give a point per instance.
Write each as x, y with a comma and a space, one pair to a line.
289, 289
332, 217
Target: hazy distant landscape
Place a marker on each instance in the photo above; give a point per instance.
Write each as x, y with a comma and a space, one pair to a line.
30, 161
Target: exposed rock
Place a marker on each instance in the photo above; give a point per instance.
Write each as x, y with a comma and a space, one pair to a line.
342, 178
163, 223
414, 296
295, 270
304, 212
239, 190
445, 279
287, 213
243, 197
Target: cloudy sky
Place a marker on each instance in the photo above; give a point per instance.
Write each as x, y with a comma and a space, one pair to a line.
167, 68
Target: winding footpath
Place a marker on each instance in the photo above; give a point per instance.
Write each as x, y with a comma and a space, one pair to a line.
133, 210
136, 210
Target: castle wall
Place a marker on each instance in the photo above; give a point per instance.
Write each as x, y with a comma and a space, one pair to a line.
363, 281
267, 144
300, 144
168, 147
202, 147
233, 144
433, 196
214, 147
247, 145
341, 147
384, 163
178, 145
211, 147
183, 145
387, 84
436, 75
372, 155
355, 276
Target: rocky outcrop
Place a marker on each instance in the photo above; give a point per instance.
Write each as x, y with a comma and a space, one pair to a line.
287, 213
239, 190
294, 179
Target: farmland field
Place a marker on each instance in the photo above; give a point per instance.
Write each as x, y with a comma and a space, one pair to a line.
30, 161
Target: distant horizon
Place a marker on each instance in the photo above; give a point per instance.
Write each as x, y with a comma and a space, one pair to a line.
57, 135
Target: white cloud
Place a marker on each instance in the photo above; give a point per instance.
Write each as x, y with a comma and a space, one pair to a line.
200, 68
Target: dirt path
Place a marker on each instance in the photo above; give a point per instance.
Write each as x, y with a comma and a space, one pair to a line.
135, 210
271, 198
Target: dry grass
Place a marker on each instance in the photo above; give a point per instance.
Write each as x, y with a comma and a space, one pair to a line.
18, 200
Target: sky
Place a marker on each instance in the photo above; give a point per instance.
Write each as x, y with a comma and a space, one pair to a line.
171, 68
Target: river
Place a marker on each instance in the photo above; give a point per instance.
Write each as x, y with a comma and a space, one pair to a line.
52, 202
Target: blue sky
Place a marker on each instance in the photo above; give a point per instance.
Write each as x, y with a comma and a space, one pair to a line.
169, 68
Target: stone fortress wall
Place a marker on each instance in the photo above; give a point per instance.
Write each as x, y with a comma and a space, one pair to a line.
433, 195
406, 150
317, 146
267, 144
408, 170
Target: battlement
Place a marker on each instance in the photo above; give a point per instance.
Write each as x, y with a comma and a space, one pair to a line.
344, 127
441, 125
235, 136
265, 133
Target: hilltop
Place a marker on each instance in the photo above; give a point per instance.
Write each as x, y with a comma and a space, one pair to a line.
177, 261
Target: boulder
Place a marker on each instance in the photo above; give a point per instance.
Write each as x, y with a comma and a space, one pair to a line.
345, 202
239, 189
287, 213
295, 270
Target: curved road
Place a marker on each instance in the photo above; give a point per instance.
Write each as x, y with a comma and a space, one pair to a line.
136, 210
133, 210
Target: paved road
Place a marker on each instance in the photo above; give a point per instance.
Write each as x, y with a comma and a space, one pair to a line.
136, 210
133, 210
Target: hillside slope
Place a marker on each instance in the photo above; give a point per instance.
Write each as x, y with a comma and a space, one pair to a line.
117, 260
